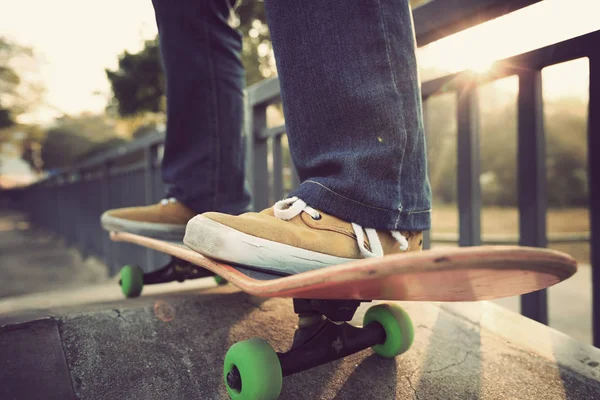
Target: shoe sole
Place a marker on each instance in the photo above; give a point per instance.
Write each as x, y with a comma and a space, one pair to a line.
221, 242
170, 232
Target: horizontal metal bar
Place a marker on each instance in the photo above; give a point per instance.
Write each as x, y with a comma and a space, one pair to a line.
140, 144
266, 91
440, 18
272, 132
576, 237
115, 171
571, 49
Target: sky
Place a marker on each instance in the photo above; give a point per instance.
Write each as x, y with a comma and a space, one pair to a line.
75, 41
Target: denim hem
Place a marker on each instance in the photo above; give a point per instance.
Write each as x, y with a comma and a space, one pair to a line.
322, 198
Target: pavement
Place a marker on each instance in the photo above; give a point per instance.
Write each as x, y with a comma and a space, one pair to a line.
68, 333
34, 261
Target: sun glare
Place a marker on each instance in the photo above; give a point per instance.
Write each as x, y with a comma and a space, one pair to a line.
477, 48
72, 66
480, 65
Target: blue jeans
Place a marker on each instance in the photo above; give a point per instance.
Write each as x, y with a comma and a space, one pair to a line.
203, 162
351, 98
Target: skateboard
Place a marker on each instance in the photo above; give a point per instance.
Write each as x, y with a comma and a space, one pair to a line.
326, 300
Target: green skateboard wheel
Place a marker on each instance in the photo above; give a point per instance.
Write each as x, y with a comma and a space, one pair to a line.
132, 280
252, 371
399, 331
220, 280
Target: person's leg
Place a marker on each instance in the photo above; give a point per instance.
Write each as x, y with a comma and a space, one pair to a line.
352, 103
203, 163
203, 160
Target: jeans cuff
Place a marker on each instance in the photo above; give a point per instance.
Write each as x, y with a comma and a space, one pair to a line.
320, 197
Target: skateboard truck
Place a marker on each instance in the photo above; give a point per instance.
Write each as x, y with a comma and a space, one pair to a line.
323, 335
176, 270
133, 278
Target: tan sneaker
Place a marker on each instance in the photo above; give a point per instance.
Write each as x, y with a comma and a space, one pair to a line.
165, 220
291, 237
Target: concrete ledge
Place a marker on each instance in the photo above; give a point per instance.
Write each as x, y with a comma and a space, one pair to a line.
172, 346
32, 362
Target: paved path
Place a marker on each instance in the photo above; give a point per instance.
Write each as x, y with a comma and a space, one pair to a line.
171, 345
80, 338
33, 262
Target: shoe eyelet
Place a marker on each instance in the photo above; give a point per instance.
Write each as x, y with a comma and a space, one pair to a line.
318, 217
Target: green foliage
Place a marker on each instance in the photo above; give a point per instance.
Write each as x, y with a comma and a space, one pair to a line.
138, 84
62, 147
440, 132
257, 52
566, 148
72, 139
6, 118
17, 96
10, 81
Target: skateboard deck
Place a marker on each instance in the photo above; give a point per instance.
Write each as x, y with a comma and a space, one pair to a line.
447, 275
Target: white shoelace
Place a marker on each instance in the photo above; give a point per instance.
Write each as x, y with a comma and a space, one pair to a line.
164, 202
289, 208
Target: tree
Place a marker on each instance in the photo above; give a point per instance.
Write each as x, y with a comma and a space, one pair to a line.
16, 96
62, 146
9, 80
72, 139
138, 84
566, 148
257, 52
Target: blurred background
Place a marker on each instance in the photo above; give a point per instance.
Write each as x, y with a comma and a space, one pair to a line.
80, 78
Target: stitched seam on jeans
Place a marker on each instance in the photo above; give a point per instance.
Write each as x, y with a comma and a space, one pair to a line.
216, 137
389, 59
347, 198
366, 205
417, 211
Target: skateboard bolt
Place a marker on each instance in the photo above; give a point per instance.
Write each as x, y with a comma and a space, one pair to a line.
234, 380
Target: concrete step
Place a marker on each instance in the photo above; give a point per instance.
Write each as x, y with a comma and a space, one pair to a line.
170, 345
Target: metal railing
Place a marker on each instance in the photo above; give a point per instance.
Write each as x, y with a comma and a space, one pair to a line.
71, 202
531, 158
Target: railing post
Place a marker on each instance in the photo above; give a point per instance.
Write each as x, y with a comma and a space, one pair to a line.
82, 207
425, 113
468, 170
150, 154
259, 181
77, 204
277, 168
248, 145
531, 178
107, 248
295, 177
593, 136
